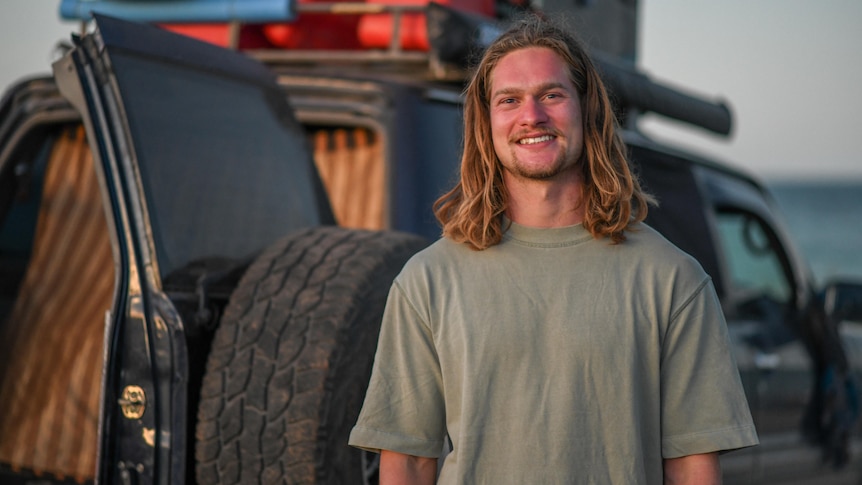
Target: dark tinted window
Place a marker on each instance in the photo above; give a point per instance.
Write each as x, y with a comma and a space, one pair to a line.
224, 172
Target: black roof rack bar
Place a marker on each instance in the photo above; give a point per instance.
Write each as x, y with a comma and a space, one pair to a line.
632, 89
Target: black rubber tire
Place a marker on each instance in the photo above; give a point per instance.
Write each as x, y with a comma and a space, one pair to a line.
291, 358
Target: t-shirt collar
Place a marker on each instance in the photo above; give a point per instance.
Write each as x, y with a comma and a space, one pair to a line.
554, 236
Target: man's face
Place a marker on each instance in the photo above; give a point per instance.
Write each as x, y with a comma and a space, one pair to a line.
536, 123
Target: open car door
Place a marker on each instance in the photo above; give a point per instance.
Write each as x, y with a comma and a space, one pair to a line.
200, 161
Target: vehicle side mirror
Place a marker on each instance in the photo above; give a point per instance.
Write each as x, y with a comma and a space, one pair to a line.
842, 301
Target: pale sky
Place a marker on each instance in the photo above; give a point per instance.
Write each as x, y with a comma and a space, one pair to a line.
789, 69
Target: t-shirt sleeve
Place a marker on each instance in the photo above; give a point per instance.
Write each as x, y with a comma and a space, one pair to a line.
404, 408
704, 408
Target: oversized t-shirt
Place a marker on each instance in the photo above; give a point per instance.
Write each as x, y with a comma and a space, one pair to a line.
554, 357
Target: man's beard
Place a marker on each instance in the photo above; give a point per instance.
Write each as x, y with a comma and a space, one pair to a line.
559, 165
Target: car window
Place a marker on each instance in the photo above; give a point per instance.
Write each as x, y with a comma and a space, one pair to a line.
224, 172
756, 278
200, 141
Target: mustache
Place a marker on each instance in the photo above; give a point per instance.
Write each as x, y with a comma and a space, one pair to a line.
533, 133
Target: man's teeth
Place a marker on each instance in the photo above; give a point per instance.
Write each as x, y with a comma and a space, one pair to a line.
538, 139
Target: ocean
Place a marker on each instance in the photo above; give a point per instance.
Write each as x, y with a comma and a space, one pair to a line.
825, 222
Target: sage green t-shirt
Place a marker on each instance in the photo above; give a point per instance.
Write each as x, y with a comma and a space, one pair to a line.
554, 358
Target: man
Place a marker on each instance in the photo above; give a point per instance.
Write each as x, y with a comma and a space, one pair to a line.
550, 337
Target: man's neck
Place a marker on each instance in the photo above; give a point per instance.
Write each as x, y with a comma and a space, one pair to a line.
545, 203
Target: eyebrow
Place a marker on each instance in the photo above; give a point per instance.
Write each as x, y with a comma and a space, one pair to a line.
512, 90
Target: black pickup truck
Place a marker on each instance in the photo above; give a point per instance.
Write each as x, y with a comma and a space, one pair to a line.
196, 244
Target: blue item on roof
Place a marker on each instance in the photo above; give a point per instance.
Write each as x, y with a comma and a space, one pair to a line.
182, 11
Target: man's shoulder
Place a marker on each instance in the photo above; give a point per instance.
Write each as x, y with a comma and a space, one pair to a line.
645, 237
442, 252
649, 245
442, 264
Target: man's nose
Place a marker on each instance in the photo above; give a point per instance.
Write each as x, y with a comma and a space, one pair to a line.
533, 112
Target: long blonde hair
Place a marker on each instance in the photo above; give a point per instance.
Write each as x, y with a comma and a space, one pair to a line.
613, 199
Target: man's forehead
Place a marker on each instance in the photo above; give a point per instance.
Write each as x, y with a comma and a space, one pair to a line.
533, 69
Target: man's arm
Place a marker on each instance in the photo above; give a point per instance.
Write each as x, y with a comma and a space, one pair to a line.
401, 469
692, 469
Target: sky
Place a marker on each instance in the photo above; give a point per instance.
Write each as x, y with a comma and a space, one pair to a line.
789, 69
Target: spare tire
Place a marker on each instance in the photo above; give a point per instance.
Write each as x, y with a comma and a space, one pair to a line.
291, 358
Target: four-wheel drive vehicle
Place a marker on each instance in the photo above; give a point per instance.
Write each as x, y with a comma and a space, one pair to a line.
177, 303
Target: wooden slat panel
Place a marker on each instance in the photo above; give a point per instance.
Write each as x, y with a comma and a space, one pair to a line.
53, 338
351, 165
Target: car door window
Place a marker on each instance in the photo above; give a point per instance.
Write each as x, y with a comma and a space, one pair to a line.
759, 287
217, 165
754, 261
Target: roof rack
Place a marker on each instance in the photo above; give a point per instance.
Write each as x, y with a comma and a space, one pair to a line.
436, 44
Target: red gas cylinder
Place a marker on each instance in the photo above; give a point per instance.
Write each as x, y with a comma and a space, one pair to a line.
375, 30
341, 31
315, 31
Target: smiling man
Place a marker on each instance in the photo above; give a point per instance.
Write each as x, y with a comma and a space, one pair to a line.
550, 336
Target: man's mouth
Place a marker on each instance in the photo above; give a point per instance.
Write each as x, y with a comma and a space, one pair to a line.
535, 139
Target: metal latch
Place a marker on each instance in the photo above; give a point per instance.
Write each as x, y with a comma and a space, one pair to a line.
133, 402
